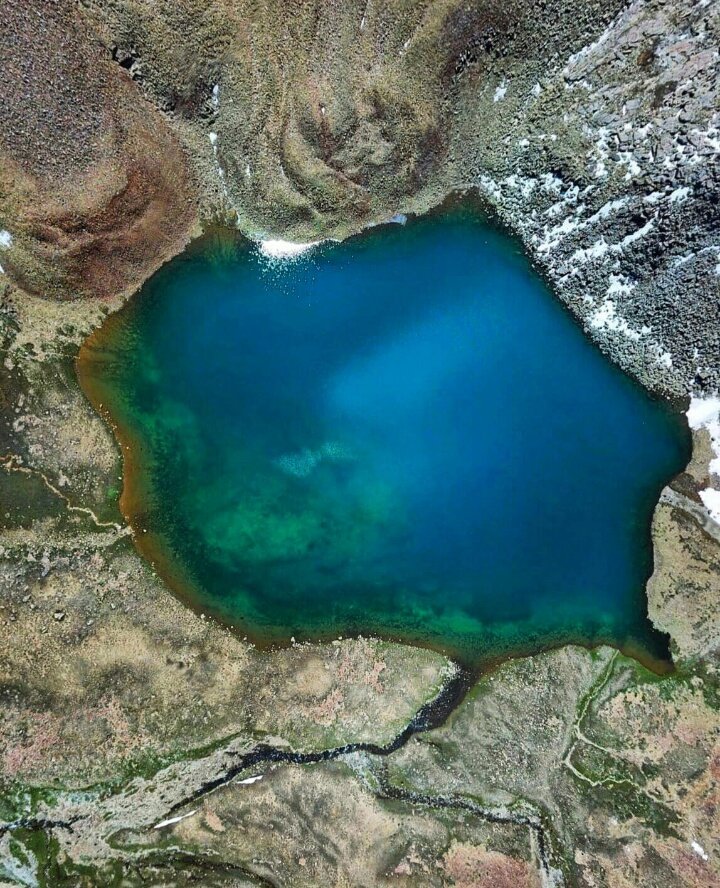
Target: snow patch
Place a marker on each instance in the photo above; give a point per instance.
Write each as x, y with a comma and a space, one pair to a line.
600, 151
628, 159
220, 171
711, 501
490, 187
526, 185
620, 285
587, 50
664, 359
699, 850
709, 136
551, 183
606, 210
654, 197
500, 92
248, 780
680, 194
607, 318
172, 820
569, 197
554, 236
704, 413
679, 261
6, 239
635, 236
596, 251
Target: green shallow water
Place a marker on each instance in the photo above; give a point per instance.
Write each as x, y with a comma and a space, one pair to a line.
404, 434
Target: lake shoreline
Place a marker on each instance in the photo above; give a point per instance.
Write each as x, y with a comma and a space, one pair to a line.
134, 498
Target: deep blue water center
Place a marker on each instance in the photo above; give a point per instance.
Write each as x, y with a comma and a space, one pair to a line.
403, 434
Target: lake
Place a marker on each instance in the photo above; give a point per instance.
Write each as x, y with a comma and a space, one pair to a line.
404, 434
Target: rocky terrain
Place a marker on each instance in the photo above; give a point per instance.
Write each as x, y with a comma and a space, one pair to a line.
141, 743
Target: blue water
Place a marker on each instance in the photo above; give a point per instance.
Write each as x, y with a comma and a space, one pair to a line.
403, 434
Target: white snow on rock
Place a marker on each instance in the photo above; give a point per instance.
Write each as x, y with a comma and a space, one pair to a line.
699, 850
525, 184
567, 226
680, 194
679, 261
588, 50
6, 240
704, 413
633, 167
607, 318
600, 150
711, 501
635, 236
500, 92
248, 780
620, 285
220, 171
600, 248
585, 254
664, 359
551, 183
171, 820
554, 236
490, 187
606, 210
284, 250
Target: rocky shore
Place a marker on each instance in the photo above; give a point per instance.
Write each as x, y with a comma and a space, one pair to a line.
134, 732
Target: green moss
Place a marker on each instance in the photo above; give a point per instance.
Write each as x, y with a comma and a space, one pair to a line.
24, 499
626, 803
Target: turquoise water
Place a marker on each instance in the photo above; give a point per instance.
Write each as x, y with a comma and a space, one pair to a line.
403, 434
